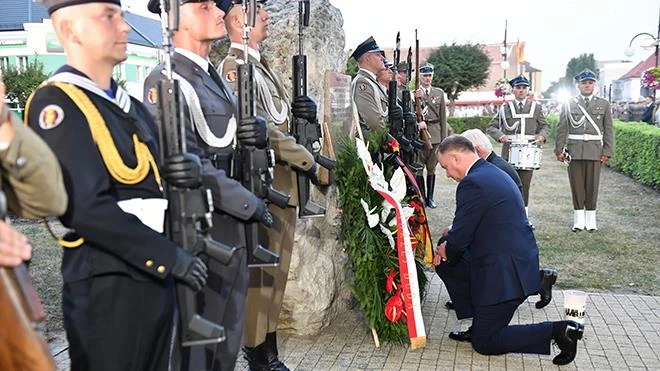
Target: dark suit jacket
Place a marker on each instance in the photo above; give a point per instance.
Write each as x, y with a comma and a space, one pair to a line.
506, 167
647, 117
490, 223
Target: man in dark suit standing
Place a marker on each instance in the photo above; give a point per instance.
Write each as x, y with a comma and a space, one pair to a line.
489, 259
209, 108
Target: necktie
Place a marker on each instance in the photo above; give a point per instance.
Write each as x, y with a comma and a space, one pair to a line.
586, 102
218, 80
520, 106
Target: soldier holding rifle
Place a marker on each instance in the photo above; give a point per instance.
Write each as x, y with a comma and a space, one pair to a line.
211, 127
119, 269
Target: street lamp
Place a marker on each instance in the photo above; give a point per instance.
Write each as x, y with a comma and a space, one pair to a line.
505, 52
630, 51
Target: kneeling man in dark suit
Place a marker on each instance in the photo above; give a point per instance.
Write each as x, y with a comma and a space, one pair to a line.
489, 260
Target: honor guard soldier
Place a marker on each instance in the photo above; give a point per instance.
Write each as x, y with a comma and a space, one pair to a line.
118, 269
434, 111
522, 121
209, 108
266, 285
369, 96
585, 139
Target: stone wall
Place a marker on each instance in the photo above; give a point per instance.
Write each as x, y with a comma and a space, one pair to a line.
318, 287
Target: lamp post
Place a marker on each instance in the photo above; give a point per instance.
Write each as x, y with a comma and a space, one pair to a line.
505, 52
630, 51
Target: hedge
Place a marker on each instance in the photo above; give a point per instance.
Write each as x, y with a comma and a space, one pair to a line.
637, 151
460, 124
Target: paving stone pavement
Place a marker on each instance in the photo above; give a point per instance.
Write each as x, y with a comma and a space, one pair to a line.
622, 332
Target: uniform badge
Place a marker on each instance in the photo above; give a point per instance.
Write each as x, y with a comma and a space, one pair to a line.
598, 117
51, 116
231, 76
152, 97
362, 87
434, 100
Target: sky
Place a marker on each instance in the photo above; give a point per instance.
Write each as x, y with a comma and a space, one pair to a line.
554, 30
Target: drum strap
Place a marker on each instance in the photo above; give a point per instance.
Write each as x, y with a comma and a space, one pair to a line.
521, 116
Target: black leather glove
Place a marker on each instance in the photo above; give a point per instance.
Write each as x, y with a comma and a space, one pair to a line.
189, 269
263, 215
396, 113
252, 131
313, 175
183, 170
409, 118
304, 107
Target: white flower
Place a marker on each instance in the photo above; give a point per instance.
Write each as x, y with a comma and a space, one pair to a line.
372, 218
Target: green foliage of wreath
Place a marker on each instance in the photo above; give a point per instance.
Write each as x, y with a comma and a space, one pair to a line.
370, 254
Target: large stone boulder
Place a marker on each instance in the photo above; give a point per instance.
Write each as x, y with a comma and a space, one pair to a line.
318, 287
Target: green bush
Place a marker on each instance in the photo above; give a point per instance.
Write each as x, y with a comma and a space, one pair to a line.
553, 120
460, 124
637, 152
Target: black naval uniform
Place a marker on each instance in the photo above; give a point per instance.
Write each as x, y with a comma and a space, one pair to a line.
118, 297
225, 294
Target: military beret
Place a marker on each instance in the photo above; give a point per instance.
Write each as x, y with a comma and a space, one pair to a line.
586, 75
426, 69
53, 5
519, 80
368, 45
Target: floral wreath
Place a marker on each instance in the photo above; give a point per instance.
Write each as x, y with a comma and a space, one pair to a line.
651, 78
502, 88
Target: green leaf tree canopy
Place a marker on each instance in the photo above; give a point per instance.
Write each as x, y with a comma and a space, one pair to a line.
576, 65
21, 83
459, 68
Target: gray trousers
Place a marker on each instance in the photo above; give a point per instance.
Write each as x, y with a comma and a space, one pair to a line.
584, 177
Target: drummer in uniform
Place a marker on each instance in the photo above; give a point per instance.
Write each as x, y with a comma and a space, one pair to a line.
585, 139
520, 120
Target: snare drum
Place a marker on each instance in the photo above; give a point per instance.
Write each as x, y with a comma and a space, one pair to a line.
525, 156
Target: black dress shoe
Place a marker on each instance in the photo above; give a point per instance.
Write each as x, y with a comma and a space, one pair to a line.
567, 336
449, 305
461, 335
430, 203
548, 278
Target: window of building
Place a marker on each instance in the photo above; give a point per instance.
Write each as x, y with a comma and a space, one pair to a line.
4, 63
22, 63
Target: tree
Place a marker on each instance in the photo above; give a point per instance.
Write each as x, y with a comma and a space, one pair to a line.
21, 83
576, 65
555, 86
459, 68
352, 67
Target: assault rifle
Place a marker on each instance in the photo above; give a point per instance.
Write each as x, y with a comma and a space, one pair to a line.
397, 129
189, 210
410, 131
424, 133
22, 346
254, 165
306, 133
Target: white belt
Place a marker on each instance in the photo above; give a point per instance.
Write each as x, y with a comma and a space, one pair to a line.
150, 211
585, 137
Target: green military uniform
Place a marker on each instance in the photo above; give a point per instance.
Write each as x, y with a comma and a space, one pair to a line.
586, 132
523, 120
31, 176
434, 111
266, 287
370, 99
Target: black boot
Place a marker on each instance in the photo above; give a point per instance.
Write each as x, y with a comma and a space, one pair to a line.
422, 187
430, 187
274, 364
256, 357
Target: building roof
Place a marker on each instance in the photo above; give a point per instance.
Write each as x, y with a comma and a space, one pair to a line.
642, 66
144, 31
